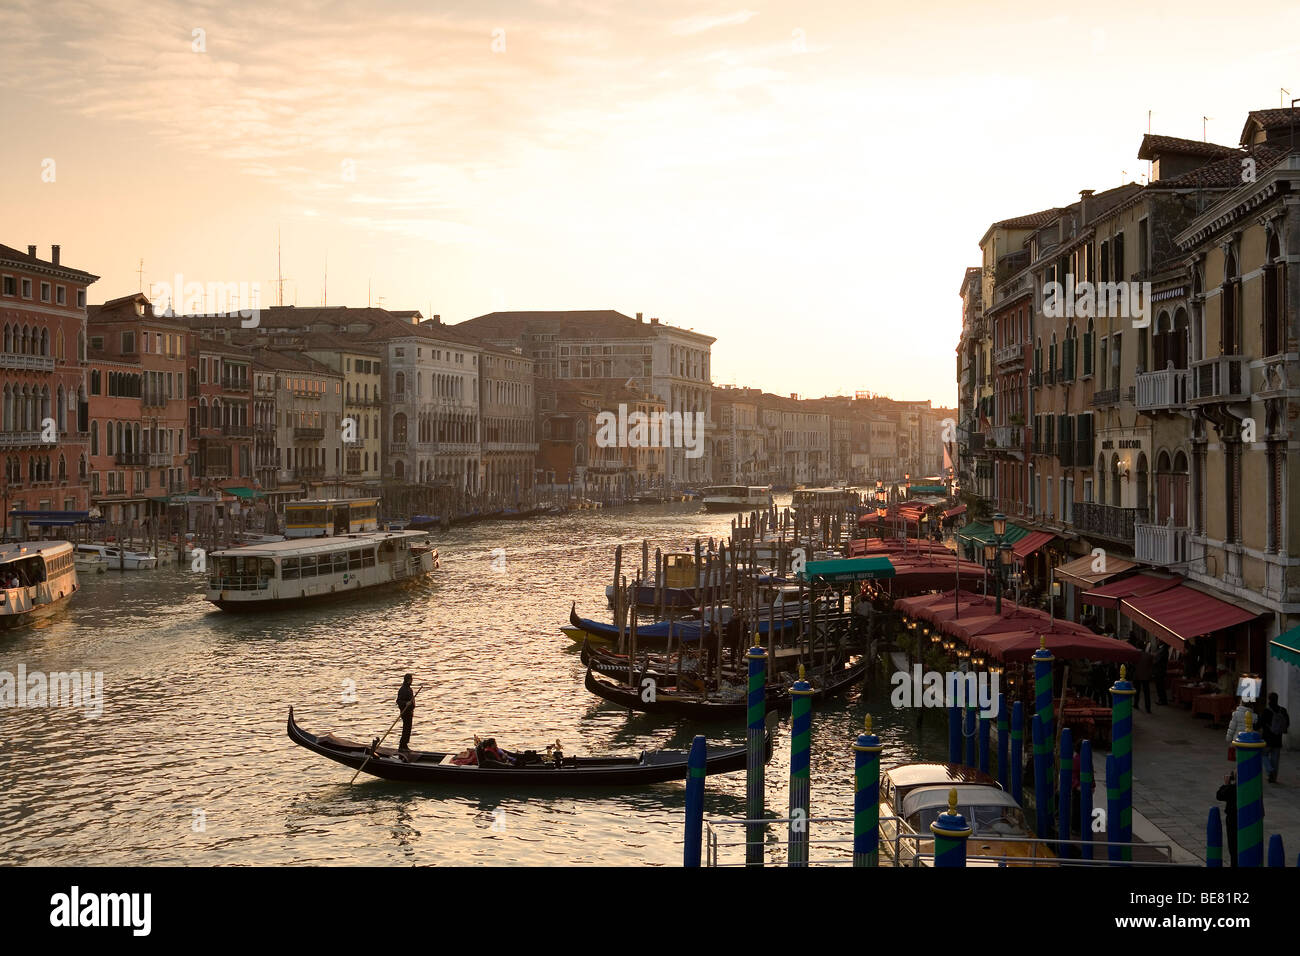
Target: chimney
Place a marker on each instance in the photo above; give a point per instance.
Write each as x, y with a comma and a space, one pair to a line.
437, 320
54, 254
31, 251
795, 396
654, 321
638, 317
1084, 196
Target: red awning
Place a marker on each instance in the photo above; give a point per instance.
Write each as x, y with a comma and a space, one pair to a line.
1139, 585
1178, 613
953, 512
1031, 543
1064, 645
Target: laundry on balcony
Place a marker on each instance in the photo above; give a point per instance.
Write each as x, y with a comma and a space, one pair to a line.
1179, 613
1080, 573
1139, 585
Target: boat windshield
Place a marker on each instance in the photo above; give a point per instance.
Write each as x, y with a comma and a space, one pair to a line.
983, 820
241, 573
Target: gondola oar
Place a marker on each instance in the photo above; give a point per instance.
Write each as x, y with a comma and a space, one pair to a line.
375, 746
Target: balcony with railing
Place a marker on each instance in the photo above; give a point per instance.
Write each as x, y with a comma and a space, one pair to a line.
28, 363
237, 431
138, 458
211, 470
397, 447
308, 434
234, 383
19, 439
1160, 544
1009, 354
159, 459
1105, 396
1224, 378
1107, 521
1166, 390
307, 472
1008, 437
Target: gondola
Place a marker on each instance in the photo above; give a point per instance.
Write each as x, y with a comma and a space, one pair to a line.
432, 767
696, 707
653, 635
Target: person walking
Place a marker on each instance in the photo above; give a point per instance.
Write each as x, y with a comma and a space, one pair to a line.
1142, 677
1228, 795
406, 703
1159, 671
1274, 723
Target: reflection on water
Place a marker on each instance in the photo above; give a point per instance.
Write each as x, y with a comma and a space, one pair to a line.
190, 764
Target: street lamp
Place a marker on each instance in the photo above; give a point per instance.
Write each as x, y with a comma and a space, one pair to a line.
998, 554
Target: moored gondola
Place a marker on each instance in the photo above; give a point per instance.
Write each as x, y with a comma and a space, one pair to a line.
530, 769
710, 707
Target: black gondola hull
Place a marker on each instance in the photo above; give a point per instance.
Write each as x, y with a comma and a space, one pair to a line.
426, 767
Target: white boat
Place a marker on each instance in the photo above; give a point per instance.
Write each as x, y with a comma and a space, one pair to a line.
737, 498
45, 573
118, 558
289, 573
91, 563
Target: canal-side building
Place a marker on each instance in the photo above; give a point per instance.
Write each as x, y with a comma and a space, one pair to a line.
361, 368
139, 365
647, 355
507, 411
44, 428
221, 412
309, 435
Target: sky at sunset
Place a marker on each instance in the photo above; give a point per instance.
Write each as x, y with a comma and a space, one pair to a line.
804, 181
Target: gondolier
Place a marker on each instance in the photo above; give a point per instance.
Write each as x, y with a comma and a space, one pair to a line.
406, 704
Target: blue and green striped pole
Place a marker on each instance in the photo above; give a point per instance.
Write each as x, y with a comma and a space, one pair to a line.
1004, 741
1250, 795
695, 771
954, 734
756, 752
1042, 796
1213, 840
1276, 855
951, 831
866, 798
1043, 661
800, 754
1066, 773
1085, 797
1018, 752
1113, 852
1121, 723
968, 731
984, 743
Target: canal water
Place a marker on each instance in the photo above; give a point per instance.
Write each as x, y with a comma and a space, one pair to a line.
189, 762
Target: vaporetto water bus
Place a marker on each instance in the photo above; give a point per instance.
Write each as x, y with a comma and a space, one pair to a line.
321, 517
737, 498
35, 578
292, 573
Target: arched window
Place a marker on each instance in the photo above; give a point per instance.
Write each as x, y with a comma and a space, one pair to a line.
1274, 298
399, 385
1101, 479
94, 438
1230, 307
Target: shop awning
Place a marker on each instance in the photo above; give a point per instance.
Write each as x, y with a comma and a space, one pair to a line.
928, 490
246, 493
953, 512
1139, 585
1064, 645
1286, 647
848, 569
979, 532
1079, 572
1182, 612
1031, 543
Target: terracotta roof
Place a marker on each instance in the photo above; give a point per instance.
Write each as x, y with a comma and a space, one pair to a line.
1153, 146
289, 360
18, 257
1226, 173
1279, 118
579, 324
1030, 221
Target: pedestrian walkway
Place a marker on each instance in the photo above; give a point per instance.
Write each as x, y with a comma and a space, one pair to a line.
1178, 765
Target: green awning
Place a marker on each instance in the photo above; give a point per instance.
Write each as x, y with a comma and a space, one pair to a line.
979, 533
848, 569
247, 493
927, 490
163, 500
1286, 647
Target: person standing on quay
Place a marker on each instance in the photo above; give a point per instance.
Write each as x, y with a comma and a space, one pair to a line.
1274, 723
1142, 677
406, 703
1159, 671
